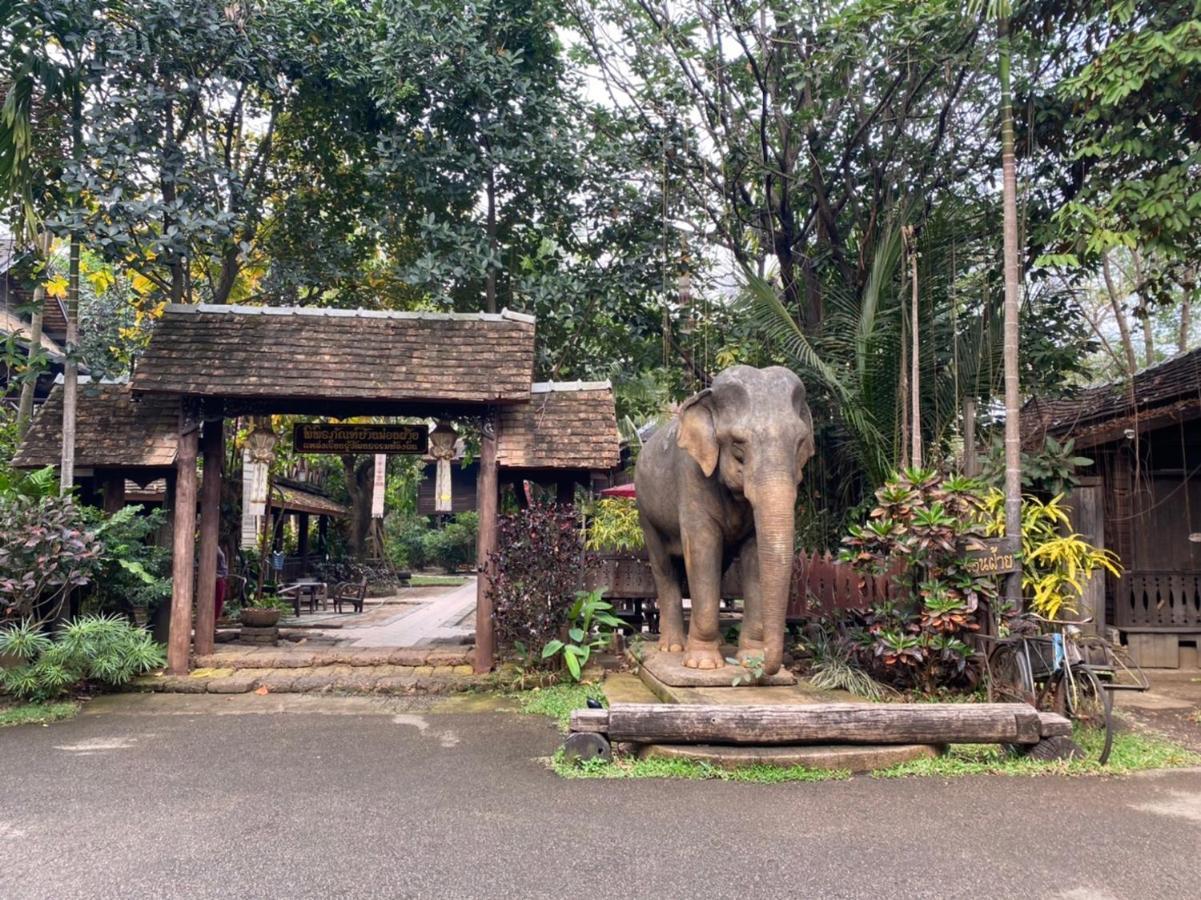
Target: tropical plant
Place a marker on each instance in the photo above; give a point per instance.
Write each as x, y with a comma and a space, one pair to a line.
133, 571
103, 650
590, 627
452, 546
1048, 471
920, 529
613, 525
1056, 562
535, 572
47, 548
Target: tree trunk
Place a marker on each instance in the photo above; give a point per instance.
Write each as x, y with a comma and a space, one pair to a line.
971, 462
1185, 323
1012, 333
1119, 314
903, 390
29, 387
360, 475
490, 277
1145, 308
915, 399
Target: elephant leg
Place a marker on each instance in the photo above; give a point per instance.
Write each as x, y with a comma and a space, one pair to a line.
667, 589
750, 636
702, 558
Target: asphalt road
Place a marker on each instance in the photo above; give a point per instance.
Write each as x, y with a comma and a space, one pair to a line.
322, 797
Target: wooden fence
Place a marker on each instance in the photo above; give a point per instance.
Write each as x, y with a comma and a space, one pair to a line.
821, 585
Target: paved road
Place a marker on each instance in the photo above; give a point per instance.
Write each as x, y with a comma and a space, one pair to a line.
170, 796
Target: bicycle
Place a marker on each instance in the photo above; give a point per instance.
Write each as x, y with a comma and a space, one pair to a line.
1065, 671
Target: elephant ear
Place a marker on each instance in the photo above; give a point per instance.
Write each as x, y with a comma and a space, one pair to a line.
698, 433
807, 447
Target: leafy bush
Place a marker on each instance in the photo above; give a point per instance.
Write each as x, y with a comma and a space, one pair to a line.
925, 522
1056, 563
99, 649
47, 548
452, 546
1048, 471
404, 540
613, 525
590, 626
535, 572
133, 571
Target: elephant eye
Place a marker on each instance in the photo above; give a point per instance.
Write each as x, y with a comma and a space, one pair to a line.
737, 451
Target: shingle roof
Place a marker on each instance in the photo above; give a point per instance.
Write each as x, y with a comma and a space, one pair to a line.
111, 430
565, 426
297, 499
1153, 388
286, 353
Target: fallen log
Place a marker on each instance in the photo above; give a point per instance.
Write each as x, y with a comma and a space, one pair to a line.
821, 723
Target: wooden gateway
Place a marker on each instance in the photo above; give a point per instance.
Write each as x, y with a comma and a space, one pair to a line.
213, 362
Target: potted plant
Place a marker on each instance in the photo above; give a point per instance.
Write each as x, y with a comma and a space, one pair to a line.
263, 611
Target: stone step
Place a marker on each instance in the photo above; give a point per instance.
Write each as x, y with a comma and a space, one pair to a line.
382, 679
242, 657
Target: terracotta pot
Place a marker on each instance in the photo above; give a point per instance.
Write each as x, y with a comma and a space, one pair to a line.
259, 618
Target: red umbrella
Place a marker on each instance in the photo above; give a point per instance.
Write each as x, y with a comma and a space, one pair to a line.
620, 490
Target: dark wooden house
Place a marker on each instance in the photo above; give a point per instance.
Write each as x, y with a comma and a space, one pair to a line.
1144, 435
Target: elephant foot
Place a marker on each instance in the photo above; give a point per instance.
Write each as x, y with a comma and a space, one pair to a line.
750, 650
671, 643
706, 655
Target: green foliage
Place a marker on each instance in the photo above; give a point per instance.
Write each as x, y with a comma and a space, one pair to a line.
134, 571
47, 548
629, 767
1048, 472
833, 665
37, 713
452, 546
613, 525
559, 700
590, 627
102, 650
1056, 562
918, 532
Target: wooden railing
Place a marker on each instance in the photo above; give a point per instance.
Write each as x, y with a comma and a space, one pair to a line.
1149, 599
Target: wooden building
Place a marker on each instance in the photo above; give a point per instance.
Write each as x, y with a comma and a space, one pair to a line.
1144, 436
565, 436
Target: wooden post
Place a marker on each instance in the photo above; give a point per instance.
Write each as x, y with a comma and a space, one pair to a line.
302, 537
114, 492
183, 541
1088, 520
210, 520
323, 534
487, 503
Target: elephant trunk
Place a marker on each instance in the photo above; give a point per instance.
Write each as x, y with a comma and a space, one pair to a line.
775, 509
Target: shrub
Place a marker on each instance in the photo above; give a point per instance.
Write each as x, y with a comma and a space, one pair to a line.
133, 572
925, 522
47, 548
613, 525
404, 539
453, 545
590, 627
102, 650
535, 573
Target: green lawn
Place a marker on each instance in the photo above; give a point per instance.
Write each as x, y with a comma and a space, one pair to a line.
557, 701
36, 713
437, 580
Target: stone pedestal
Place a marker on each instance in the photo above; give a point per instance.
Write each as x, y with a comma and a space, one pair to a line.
251, 635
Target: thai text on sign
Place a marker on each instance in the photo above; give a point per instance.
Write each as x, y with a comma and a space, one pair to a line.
992, 557
314, 437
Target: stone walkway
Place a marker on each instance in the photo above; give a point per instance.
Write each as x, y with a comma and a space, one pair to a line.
446, 618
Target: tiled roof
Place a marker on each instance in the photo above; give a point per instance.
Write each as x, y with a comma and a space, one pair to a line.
1153, 388
111, 430
285, 353
565, 426
297, 499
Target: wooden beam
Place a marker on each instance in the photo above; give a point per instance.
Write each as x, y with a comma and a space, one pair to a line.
487, 503
841, 723
114, 492
183, 543
302, 534
210, 520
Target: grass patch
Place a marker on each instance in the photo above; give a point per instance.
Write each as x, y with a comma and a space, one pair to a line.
1132, 752
437, 580
557, 701
37, 713
691, 770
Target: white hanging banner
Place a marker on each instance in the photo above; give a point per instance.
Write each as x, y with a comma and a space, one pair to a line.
442, 449
377, 490
254, 499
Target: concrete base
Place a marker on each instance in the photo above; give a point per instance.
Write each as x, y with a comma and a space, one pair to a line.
669, 669
846, 757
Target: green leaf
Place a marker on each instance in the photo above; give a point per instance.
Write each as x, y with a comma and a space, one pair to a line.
552, 648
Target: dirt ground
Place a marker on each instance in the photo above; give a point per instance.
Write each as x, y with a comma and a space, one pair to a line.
1172, 707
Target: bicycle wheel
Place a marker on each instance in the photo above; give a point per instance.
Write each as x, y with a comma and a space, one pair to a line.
1090, 706
1009, 678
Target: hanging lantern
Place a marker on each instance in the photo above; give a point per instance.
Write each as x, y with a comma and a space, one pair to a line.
442, 449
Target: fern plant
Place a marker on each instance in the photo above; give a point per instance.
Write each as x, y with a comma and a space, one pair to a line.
102, 650
614, 525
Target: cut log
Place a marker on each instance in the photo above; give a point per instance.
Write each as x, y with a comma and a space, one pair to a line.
835, 723
594, 721
1053, 725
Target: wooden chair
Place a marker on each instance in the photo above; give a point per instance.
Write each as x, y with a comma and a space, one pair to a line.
354, 593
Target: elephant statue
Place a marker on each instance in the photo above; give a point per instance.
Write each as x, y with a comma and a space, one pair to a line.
720, 481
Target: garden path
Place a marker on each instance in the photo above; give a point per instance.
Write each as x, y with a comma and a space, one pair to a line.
446, 617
